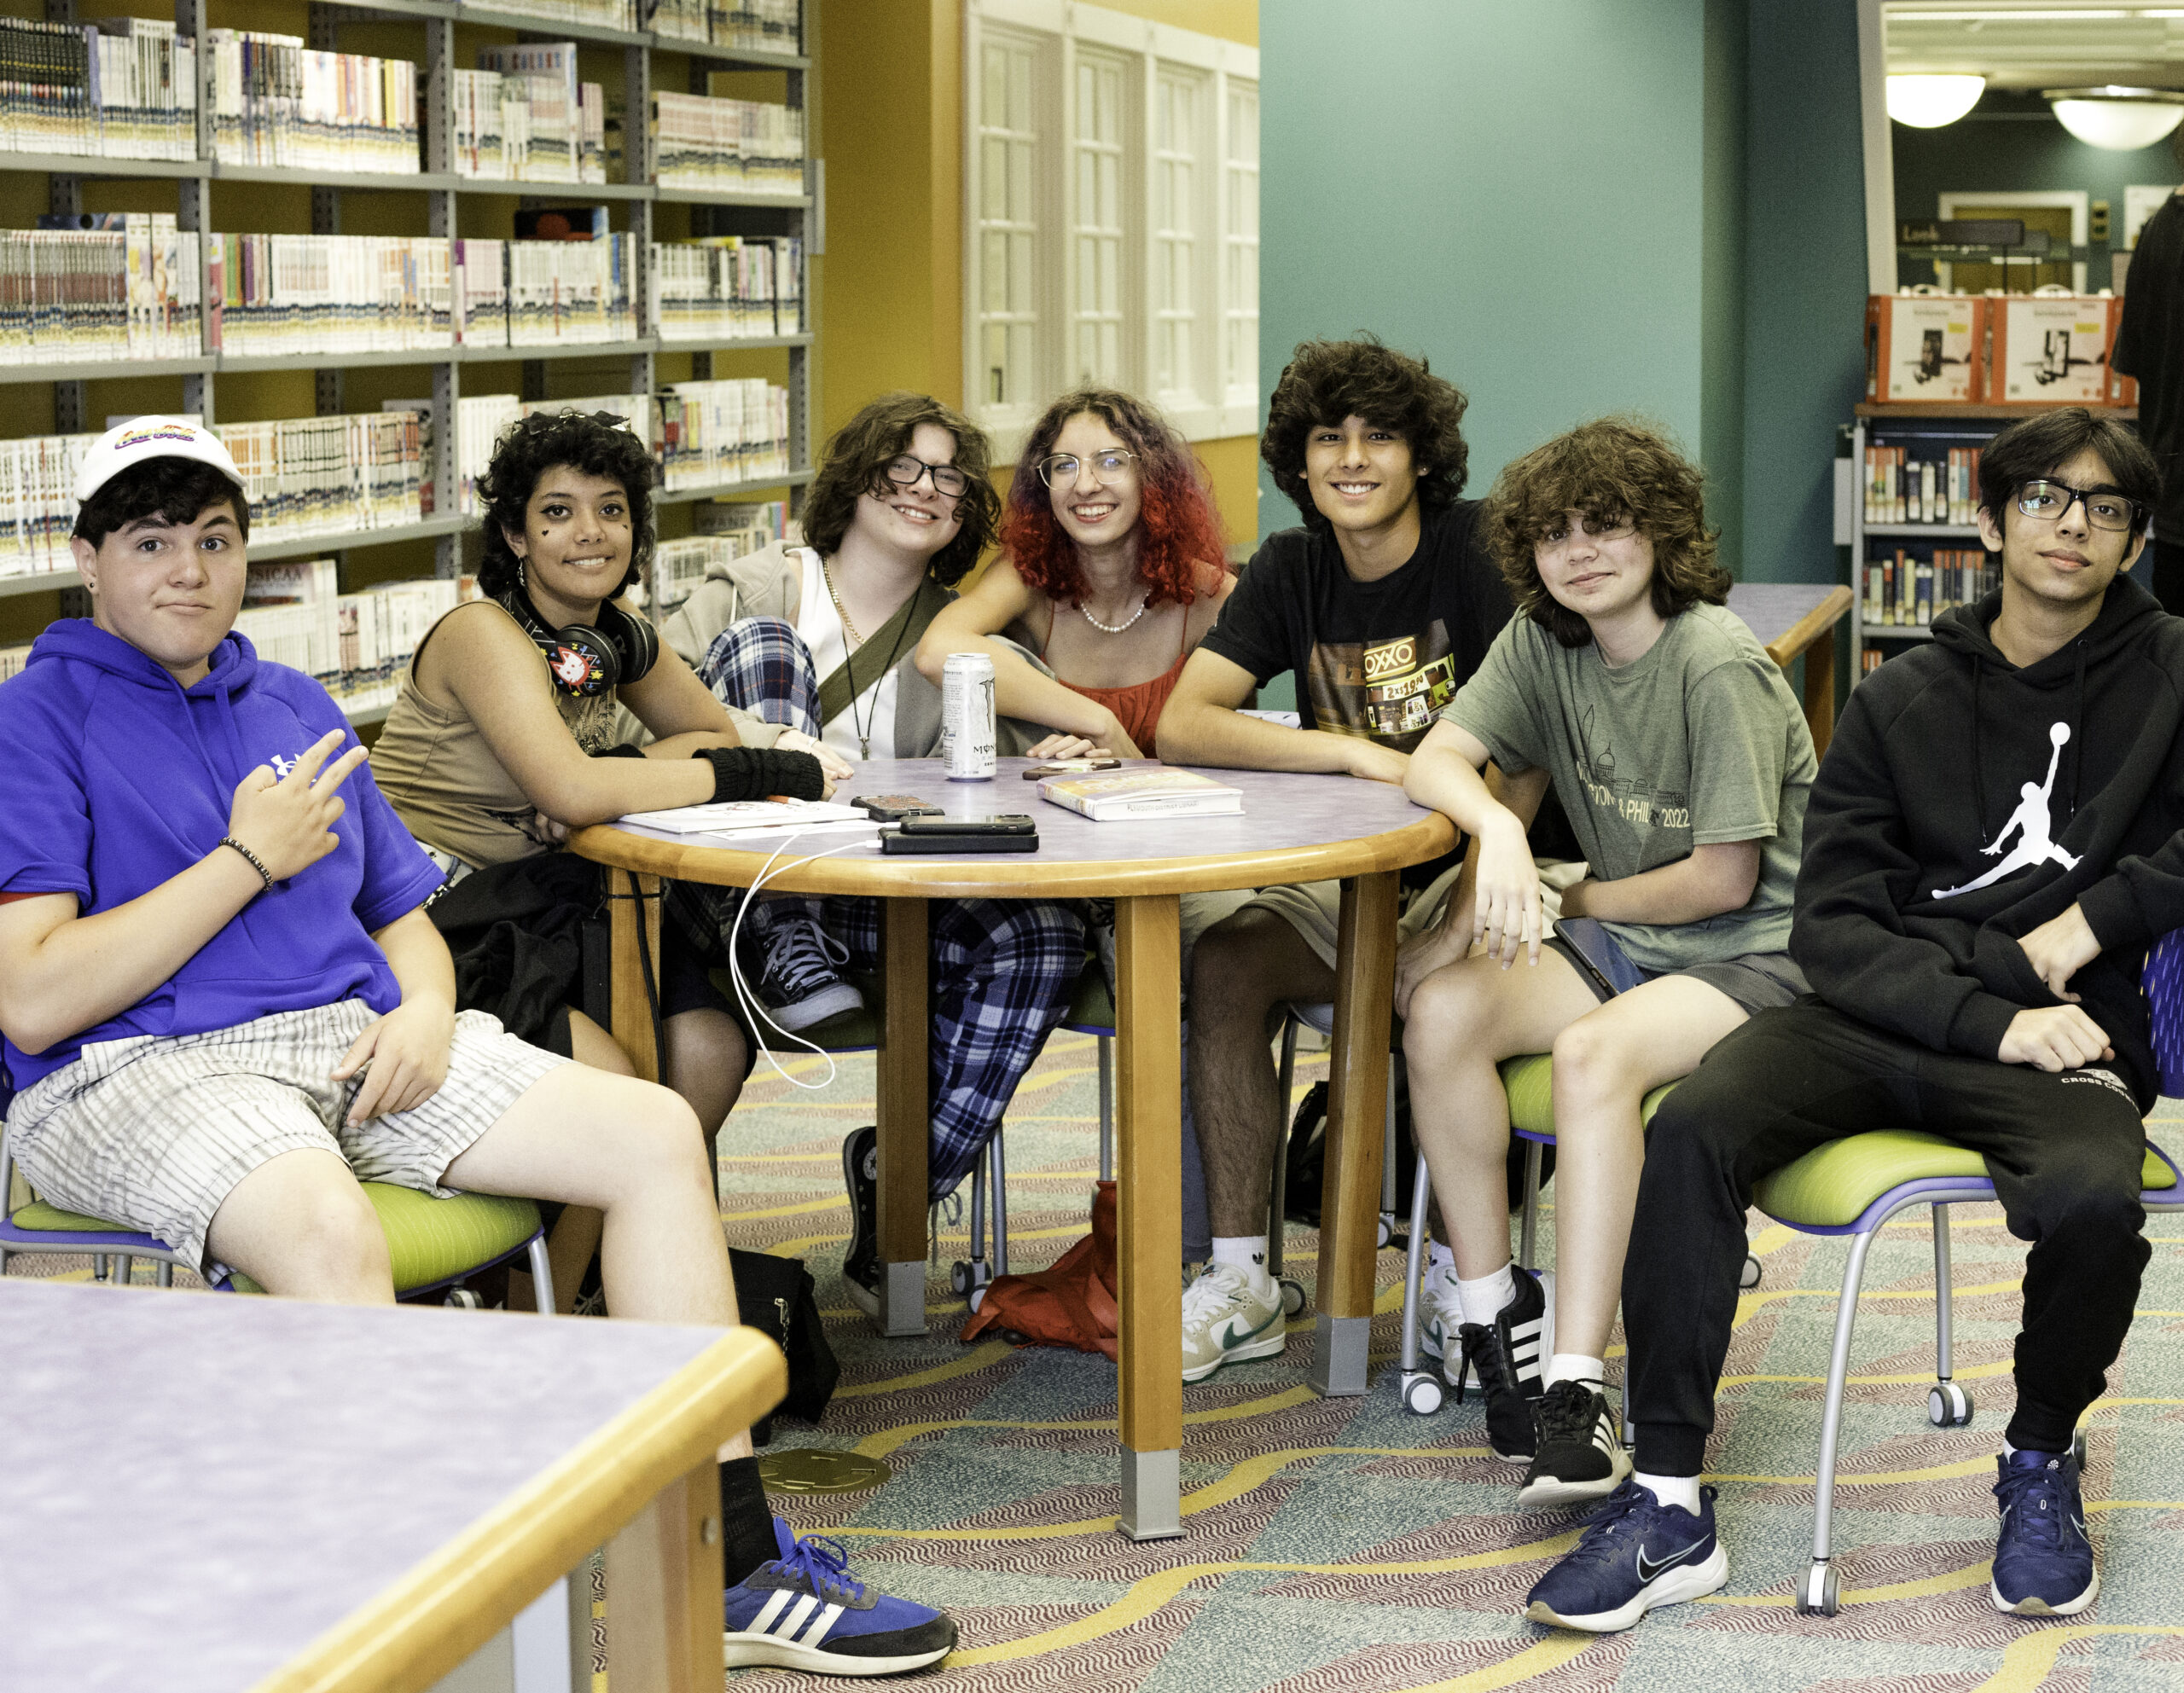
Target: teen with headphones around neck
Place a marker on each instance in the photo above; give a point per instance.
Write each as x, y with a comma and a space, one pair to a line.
505, 735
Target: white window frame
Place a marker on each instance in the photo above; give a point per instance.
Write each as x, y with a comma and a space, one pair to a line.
1213, 403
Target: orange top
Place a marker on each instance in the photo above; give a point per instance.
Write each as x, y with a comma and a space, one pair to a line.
1137, 707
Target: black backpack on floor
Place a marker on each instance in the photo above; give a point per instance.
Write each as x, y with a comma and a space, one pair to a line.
1305, 1183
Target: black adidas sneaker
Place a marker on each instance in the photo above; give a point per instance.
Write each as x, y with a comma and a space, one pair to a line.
1579, 1458
1509, 1358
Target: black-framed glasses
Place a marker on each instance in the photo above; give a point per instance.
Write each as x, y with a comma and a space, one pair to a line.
2051, 500
1558, 535
1108, 468
948, 482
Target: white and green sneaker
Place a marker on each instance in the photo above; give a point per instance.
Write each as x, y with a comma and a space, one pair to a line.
1227, 1320
1441, 1312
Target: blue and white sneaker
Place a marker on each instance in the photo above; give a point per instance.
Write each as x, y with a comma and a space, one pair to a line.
1637, 1553
804, 1611
2043, 1562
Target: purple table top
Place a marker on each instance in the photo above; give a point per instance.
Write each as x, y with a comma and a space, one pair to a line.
1286, 816
198, 1485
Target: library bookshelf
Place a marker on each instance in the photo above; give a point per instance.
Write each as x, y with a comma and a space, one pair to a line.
436, 203
1920, 433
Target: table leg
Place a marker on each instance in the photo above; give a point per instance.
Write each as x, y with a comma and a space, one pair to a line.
1365, 965
1148, 1159
630, 897
904, 1115
1820, 689
664, 1577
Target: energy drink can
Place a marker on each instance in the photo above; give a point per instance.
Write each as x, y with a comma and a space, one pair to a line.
967, 735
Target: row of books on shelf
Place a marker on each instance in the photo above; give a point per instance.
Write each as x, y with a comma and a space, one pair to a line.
702, 141
119, 88
131, 289
759, 25
727, 531
1906, 591
523, 116
355, 644
2030, 349
1901, 488
275, 101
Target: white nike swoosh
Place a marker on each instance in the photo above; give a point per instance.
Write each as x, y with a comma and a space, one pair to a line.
1647, 1569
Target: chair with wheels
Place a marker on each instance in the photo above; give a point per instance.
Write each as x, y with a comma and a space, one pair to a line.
1320, 1019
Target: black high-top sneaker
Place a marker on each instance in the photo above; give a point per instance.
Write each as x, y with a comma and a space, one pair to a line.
1509, 1357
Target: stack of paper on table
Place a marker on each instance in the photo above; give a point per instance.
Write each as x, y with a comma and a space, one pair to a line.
1142, 793
749, 817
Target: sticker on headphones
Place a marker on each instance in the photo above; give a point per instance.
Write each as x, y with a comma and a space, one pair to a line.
576, 668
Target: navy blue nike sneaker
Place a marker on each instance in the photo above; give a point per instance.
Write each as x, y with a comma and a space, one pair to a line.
804, 1611
1637, 1553
2043, 1562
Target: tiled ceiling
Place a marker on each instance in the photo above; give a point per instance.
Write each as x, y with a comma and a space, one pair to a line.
2039, 43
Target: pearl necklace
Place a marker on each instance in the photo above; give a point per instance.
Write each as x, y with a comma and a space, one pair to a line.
1143, 605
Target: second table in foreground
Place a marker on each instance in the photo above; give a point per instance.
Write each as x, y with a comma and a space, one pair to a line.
1294, 828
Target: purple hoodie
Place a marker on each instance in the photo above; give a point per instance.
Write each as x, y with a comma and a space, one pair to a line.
118, 779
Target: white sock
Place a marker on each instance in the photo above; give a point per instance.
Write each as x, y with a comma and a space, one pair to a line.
1571, 1366
1484, 1298
1682, 1490
1440, 1257
1245, 1252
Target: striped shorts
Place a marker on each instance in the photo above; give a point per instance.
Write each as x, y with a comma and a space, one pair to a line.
153, 1132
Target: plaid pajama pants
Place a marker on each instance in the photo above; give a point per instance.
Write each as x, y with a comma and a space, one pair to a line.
1003, 971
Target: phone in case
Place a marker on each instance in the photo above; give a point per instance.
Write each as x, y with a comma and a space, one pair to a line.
892, 808
1013, 823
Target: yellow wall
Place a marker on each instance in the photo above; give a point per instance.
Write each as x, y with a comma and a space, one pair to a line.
890, 287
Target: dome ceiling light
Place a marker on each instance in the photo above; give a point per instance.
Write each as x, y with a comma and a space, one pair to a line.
2120, 120
1927, 102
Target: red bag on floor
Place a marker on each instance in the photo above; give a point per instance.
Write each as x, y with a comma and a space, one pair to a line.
1072, 1303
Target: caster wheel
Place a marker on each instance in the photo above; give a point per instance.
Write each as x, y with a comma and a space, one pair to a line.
978, 1297
1817, 1595
1753, 1274
2077, 1448
1292, 1296
465, 1299
1948, 1406
1421, 1396
1387, 1230
959, 1277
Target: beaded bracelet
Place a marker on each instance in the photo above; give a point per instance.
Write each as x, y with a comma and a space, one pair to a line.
255, 862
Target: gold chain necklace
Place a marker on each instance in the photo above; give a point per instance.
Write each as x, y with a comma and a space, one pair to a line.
827, 575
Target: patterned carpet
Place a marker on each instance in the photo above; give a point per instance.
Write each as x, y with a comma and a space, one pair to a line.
1342, 1544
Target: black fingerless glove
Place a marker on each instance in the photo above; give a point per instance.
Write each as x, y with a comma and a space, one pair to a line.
760, 772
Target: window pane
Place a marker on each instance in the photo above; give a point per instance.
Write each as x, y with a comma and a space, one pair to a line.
1020, 273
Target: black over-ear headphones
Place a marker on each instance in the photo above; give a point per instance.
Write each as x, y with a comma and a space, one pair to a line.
584, 661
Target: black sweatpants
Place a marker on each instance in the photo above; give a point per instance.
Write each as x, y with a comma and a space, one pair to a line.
2065, 1152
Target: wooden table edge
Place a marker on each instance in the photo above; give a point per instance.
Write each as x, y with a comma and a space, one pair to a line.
1427, 835
440, 1610
1800, 634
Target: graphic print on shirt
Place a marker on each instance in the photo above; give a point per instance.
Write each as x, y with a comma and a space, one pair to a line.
1389, 691
2031, 825
1626, 795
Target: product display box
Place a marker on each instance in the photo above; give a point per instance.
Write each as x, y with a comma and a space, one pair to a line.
1925, 347
2051, 349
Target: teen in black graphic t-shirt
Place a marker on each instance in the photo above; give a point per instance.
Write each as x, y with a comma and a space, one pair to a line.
1382, 606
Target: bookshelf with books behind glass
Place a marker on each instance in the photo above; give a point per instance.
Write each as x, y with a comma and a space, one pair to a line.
432, 204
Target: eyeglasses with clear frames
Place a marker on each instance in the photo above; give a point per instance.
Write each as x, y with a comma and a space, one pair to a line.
2047, 499
1106, 467
948, 482
1557, 535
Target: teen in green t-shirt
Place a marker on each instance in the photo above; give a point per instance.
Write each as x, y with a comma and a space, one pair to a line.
1683, 762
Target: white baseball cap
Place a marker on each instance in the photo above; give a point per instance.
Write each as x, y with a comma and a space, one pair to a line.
150, 437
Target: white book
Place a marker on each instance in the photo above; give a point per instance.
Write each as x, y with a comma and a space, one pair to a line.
750, 817
1124, 795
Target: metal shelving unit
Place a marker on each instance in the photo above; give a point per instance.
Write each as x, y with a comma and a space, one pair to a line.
443, 187
1954, 426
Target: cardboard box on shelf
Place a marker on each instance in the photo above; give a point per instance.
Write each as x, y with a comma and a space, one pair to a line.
1924, 347
2050, 350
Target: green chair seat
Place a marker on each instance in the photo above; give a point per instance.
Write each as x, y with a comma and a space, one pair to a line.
429, 1240
1093, 1007
1831, 1185
1530, 1083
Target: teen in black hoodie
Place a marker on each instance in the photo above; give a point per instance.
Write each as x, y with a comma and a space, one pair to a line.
1990, 849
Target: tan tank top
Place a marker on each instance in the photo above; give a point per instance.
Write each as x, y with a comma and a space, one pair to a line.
446, 785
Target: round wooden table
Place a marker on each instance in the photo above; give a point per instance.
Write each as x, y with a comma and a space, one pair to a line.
1294, 828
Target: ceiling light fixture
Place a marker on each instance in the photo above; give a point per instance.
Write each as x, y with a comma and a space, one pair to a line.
2119, 119
1927, 102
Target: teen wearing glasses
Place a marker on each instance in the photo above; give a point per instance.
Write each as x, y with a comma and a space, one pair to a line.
1960, 984
1112, 574
1683, 763
819, 641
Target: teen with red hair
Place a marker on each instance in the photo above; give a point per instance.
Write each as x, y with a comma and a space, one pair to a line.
1112, 573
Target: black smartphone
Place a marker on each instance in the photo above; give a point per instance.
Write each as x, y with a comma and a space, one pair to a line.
902, 840
892, 808
1014, 823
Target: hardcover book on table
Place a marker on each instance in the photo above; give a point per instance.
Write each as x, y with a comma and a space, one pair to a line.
1142, 793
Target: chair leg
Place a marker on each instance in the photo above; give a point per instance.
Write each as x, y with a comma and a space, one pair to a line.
1817, 1592
542, 1276
969, 1276
1278, 1193
1000, 1205
1106, 1062
100, 1268
124, 1270
1421, 1389
1528, 1233
1947, 1404
166, 1275
1388, 1160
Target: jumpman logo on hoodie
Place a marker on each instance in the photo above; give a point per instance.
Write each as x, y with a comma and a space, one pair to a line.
2030, 822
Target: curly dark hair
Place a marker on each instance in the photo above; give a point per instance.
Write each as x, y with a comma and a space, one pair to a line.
856, 464
1611, 469
1180, 539
1326, 382
595, 442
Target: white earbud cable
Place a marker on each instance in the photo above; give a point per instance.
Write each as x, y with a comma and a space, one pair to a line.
752, 1009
